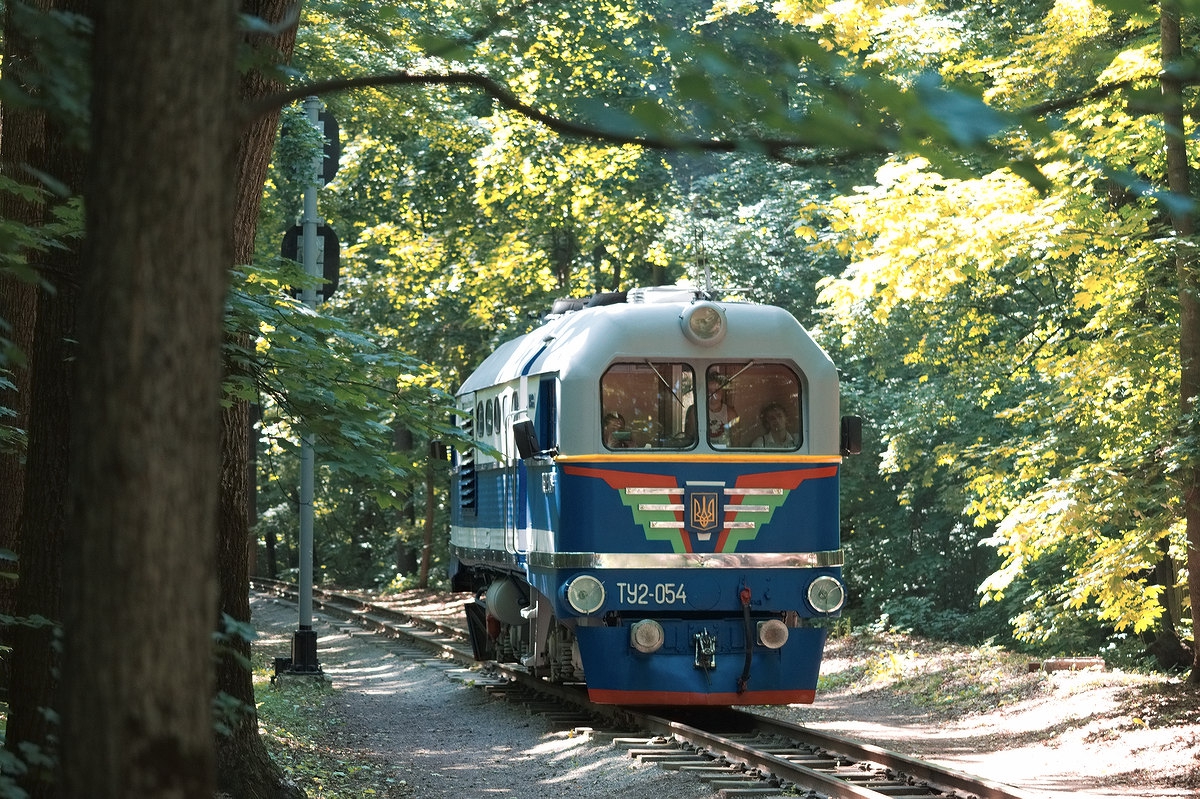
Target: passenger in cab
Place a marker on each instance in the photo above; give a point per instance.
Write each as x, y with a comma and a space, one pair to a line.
775, 431
721, 414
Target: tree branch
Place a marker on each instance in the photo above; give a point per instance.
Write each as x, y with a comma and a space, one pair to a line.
775, 148
1074, 101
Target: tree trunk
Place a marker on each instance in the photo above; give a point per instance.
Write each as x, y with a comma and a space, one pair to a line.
243, 766
42, 515
145, 459
430, 506
22, 142
1178, 181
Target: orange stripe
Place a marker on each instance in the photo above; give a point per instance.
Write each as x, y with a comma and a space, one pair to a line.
644, 456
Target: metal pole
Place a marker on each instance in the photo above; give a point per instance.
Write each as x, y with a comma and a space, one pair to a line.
304, 645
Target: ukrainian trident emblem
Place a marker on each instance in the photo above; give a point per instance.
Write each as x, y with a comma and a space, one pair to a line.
703, 510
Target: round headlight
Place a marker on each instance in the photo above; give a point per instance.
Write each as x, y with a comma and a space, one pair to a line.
646, 636
585, 593
826, 594
704, 323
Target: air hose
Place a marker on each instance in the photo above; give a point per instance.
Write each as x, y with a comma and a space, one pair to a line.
744, 595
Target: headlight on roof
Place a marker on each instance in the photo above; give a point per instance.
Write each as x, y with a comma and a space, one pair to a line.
704, 323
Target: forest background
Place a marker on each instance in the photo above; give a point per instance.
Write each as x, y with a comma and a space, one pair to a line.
1013, 345
981, 211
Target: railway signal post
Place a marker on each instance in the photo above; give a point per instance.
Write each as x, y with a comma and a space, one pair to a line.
311, 239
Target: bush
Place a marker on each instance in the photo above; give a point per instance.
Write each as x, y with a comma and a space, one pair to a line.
920, 616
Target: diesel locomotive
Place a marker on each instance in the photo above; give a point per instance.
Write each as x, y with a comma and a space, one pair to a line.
649, 503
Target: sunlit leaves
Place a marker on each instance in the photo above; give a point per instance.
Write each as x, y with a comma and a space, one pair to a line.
1048, 316
329, 379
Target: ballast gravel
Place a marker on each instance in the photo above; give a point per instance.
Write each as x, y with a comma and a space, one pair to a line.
432, 736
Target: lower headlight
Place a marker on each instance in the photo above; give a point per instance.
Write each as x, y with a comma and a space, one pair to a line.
585, 594
772, 633
646, 636
826, 594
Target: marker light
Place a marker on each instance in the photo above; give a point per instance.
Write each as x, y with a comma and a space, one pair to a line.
772, 633
646, 636
826, 594
704, 323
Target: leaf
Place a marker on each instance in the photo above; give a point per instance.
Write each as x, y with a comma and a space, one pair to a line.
969, 121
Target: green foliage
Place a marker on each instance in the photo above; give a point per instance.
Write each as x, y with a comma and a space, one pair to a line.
323, 375
319, 373
57, 78
19, 242
296, 719
12, 768
1015, 347
1000, 299
934, 619
298, 145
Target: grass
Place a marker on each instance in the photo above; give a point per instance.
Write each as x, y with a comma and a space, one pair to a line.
300, 725
951, 680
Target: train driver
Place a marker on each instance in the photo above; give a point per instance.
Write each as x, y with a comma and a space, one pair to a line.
775, 431
614, 433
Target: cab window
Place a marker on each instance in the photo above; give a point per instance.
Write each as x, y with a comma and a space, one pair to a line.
752, 405
647, 405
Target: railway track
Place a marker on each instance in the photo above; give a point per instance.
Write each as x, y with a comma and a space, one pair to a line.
739, 753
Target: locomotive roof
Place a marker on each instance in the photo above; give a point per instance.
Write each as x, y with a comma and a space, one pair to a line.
590, 338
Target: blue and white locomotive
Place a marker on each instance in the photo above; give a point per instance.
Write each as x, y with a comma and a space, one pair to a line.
651, 504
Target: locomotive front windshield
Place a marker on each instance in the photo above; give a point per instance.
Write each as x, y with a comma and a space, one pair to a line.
744, 404
751, 405
647, 405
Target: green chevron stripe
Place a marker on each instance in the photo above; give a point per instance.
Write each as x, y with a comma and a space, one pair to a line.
738, 535
673, 536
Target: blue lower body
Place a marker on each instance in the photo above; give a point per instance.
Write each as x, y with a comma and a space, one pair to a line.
617, 673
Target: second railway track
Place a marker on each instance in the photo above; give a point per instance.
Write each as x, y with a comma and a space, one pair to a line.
739, 753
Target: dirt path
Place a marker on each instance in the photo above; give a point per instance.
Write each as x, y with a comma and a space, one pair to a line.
1086, 735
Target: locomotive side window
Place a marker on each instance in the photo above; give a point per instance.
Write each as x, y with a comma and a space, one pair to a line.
645, 405
751, 405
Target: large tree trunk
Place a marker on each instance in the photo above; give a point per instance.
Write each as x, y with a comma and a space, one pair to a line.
1178, 180
22, 141
41, 528
244, 768
145, 459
